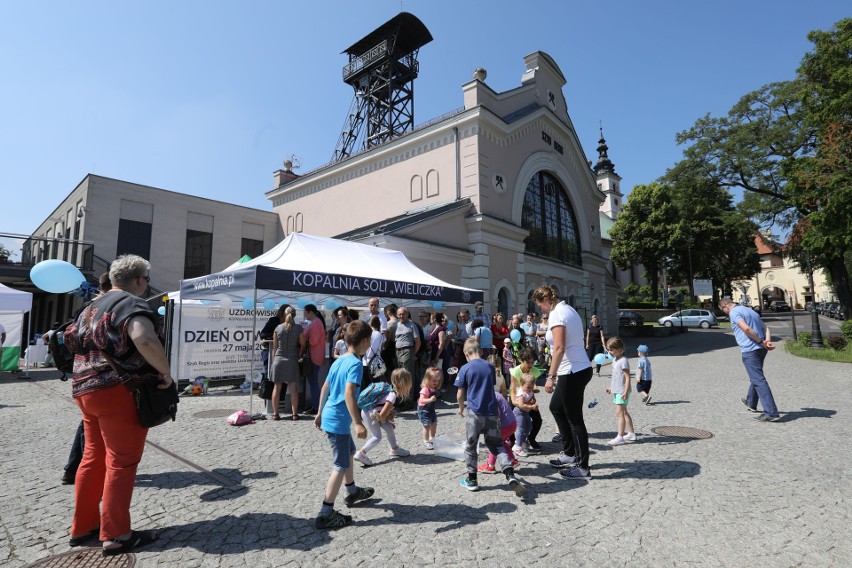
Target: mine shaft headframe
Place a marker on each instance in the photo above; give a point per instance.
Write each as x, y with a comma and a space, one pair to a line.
381, 69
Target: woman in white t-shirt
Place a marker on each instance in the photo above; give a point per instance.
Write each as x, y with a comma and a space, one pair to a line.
569, 373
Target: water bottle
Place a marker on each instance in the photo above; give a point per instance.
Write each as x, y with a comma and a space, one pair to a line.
593, 403
206, 384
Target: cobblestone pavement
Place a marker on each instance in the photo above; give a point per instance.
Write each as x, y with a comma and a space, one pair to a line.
774, 494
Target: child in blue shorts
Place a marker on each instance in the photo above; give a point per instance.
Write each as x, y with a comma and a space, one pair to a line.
337, 410
426, 405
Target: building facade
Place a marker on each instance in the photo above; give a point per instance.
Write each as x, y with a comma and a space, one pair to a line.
497, 195
183, 236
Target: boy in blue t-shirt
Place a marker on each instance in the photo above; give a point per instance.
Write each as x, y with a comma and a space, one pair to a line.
337, 410
475, 382
643, 374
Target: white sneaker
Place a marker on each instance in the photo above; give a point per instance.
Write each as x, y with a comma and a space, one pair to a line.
519, 451
399, 452
428, 445
630, 436
617, 441
362, 457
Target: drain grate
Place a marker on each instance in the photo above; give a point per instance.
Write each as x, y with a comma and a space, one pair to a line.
216, 413
85, 558
682, 432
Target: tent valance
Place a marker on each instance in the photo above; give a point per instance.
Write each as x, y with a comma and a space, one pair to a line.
299, 266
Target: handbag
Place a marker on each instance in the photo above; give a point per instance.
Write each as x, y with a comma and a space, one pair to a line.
264, 391
305, 366
154, 406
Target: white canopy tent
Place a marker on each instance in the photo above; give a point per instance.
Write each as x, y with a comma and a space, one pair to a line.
13, 304
302, 269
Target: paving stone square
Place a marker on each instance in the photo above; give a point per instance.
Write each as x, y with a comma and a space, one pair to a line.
773, 494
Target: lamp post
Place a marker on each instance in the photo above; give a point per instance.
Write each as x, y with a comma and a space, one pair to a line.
816, 332
689, 257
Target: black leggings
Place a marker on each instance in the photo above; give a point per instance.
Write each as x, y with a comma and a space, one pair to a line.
593, 350
536, 425
567, 409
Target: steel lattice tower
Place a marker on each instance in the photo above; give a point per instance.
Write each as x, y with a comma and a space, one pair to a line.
382, 68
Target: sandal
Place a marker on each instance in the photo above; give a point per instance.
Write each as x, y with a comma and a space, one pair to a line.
295, 417
137, 539
84, 538
276, 417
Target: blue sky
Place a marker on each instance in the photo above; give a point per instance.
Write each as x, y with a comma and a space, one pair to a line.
209, 97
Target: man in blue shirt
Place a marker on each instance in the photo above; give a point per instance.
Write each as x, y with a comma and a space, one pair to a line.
476, 382
755, 342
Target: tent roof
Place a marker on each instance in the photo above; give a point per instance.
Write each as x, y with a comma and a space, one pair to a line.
308, 266
12, 300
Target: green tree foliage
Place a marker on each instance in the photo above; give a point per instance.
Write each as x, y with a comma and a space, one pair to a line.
641, 233
788, 146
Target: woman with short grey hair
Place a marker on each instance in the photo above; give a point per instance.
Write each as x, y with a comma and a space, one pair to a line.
121, 325
126, 268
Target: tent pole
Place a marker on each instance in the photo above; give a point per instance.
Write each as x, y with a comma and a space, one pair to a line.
253, 344
27, 343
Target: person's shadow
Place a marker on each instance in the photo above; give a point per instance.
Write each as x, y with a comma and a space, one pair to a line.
227, 482
457, 515
807, 413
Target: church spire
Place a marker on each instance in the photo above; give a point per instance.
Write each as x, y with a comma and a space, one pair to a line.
604, 165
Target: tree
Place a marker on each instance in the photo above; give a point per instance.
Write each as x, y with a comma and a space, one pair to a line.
641, 235
787, 145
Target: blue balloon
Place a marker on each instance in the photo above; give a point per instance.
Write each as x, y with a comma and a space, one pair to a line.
437, 305
161, 310
56, 276
451, 325
332, 305
515, 336
600, 359
248, 303
85, 285
269, 304
300, 303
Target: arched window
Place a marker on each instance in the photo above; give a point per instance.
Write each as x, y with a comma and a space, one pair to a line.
549, 217
503, 302
531, 307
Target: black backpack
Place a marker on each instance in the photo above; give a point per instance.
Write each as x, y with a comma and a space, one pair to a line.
62, 356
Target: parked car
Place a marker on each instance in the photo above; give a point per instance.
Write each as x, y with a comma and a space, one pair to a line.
630, 318
832, 309
809, 306
779, 306
840, 313
690, 318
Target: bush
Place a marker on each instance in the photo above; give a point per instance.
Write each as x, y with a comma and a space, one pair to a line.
805, 338
837, 342
846, 329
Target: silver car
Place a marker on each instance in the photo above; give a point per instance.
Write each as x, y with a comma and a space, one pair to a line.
690, 318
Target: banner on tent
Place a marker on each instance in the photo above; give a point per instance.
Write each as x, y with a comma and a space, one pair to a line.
345, 285
11, 323
213, 341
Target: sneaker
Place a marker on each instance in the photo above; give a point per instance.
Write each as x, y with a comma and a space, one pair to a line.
767, 418
648, 400
617, 441
519, 451
557, 438
518, 487
428, 445
469, 484
68, 478
486, 468
564, 461
630, 437
362, 457
745, 402
576, 472
362, 494
535, 447
333, 520
399, 452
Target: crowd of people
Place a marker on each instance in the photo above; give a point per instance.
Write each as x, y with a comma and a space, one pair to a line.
495, 365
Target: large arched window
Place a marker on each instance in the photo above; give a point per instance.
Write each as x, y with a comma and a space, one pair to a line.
548, 216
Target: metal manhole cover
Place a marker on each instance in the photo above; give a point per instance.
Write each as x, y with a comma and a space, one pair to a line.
682, 432
217, 413
85, 558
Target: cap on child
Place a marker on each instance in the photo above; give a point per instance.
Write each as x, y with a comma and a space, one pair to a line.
642, 349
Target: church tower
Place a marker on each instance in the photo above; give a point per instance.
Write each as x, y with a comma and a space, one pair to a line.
608, 182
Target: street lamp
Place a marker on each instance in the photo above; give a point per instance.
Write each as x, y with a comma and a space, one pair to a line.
816, 332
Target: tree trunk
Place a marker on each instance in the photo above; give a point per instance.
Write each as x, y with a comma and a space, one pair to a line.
840, 280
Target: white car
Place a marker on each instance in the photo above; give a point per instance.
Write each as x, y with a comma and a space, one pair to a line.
690, 318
